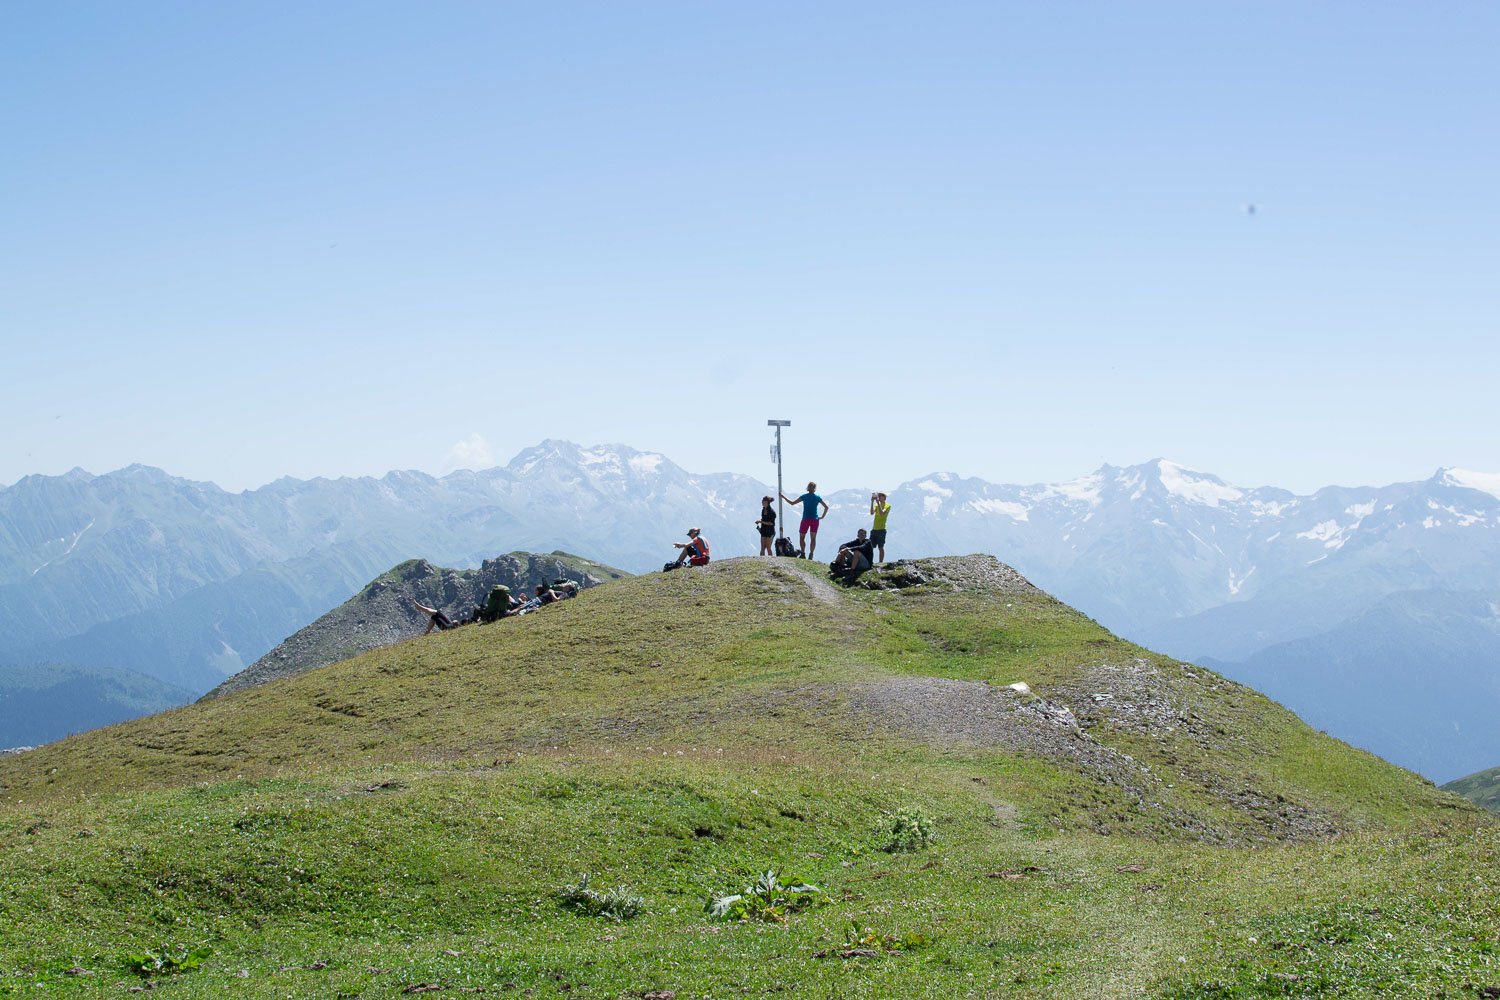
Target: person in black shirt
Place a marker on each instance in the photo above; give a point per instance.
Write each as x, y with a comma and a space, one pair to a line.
767, 526
855, 556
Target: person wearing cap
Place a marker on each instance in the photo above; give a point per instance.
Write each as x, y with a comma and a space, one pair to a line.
766, 525
694, 550
881, 510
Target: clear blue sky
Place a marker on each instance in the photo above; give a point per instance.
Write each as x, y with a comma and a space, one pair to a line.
252, 239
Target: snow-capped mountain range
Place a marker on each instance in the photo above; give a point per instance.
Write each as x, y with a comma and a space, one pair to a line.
189, 583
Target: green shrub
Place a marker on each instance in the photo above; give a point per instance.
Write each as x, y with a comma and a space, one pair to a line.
769, 899
618, 903
867, 941
909, 829
166, 961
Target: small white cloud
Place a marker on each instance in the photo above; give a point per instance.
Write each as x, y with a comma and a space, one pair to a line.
473, 452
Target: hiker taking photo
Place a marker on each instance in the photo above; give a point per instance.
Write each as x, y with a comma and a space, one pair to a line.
881, 510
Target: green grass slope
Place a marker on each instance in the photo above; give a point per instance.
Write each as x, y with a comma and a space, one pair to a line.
409, 820
1482, 788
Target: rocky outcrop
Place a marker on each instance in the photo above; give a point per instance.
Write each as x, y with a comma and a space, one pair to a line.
381, 613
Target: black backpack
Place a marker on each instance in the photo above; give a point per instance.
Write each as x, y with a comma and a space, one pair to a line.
784, 547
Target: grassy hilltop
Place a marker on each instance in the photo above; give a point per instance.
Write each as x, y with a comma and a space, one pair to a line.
1482, 788
408, 821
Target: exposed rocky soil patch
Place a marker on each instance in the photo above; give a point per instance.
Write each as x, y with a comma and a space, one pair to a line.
976, 572
1139, 697
946, 713
815, 577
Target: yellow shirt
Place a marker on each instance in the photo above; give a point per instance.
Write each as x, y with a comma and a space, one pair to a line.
882, 511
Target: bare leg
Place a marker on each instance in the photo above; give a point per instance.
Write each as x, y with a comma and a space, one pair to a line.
814, 546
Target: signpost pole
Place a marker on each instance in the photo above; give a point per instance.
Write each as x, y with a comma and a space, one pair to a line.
780, 511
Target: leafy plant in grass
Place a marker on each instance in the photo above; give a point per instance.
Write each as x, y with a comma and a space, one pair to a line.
769, 899
618, 903
167, 961
864, 940
909, 829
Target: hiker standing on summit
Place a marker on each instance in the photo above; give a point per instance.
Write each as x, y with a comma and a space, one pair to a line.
881, 510
766, 525
810, 518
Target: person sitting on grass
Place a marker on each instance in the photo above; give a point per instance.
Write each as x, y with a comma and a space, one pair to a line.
435, 618
546, 594
855, 556
694, 551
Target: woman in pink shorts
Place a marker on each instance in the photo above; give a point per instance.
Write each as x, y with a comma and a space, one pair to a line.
810, 502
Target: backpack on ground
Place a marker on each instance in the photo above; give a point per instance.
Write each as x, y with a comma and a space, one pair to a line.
784, 547
497, 605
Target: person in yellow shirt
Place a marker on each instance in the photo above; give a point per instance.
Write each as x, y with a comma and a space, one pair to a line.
881, 510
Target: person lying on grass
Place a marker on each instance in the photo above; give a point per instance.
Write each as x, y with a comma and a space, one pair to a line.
435, 618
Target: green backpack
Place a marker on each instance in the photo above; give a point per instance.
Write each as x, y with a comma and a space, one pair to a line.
498, 603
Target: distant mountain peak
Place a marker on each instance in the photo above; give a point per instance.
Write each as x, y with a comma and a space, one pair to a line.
596, 461
1484, 482
1195, 487
139, 471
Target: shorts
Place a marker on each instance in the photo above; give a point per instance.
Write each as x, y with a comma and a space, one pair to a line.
768, 532
877, 537
808, 524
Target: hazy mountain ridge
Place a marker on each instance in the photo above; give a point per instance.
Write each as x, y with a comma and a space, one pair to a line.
91, 563
1179, 559
42, 703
